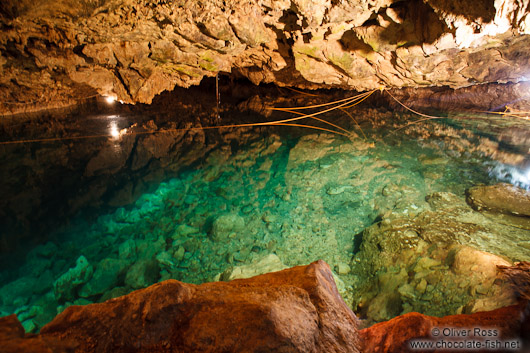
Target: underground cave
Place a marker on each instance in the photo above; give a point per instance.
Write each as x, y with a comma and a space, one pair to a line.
265, 176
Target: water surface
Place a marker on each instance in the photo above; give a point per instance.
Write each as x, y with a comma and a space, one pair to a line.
90, 219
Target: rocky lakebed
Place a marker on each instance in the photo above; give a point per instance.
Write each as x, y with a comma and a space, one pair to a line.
414, 221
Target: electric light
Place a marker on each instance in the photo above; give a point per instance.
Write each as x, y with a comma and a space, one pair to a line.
110, 99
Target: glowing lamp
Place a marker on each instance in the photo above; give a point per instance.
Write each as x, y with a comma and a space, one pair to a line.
110, 99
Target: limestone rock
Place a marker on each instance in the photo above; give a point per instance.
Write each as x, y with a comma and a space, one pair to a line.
99, 47
343, 268
477, 263
294, 310
225, 225
269, 263
65, 285
19, 288
492, 303
105, 277
142, 273
503, 198
184, 230
165, 260
417, 257
127, 249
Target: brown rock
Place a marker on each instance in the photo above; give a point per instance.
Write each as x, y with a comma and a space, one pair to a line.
10, 328
519, 278
478, 263
295, 310
501, 198
393, 336
13, 339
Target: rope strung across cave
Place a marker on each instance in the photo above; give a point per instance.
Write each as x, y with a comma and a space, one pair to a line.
344, 103
427, 117
341, 105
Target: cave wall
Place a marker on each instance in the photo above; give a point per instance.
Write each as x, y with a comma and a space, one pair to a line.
54, 53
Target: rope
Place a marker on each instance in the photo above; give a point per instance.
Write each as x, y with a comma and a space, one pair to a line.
344, 103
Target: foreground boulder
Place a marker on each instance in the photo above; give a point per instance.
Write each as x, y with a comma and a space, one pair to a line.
509, 326
13, 339
295, 310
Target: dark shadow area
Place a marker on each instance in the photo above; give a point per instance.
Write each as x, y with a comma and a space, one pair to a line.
351, 42
420, 24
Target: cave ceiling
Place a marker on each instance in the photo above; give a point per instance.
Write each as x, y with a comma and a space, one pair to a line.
60, 51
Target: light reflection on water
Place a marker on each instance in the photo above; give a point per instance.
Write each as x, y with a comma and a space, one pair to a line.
116, 128
113, 129
516, 175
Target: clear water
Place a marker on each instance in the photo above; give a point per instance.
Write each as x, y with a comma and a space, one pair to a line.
301, 195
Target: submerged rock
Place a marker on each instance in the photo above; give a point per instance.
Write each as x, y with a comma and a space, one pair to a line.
424, 263
501, 198
269, 263
478, 263
65, 285
106, 276
21, 288
127, 249
343, 269
294, 310
225, 225
142, 273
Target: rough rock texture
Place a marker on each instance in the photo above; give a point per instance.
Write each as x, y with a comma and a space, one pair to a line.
52, 53
432, 262
394, 336
295, 310
14, 340
266, 264
502, 198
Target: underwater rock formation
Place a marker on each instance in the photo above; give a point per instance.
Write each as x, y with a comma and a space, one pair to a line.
500, 198
55, 53
431, 262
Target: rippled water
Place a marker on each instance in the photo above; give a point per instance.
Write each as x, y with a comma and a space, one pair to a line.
147, 210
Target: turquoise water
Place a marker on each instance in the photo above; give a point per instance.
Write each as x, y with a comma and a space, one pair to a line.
302, 197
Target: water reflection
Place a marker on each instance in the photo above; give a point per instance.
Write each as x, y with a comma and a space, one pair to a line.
113, 130
113, 127
517, 175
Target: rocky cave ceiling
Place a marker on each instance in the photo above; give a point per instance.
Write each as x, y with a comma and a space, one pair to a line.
53, 52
